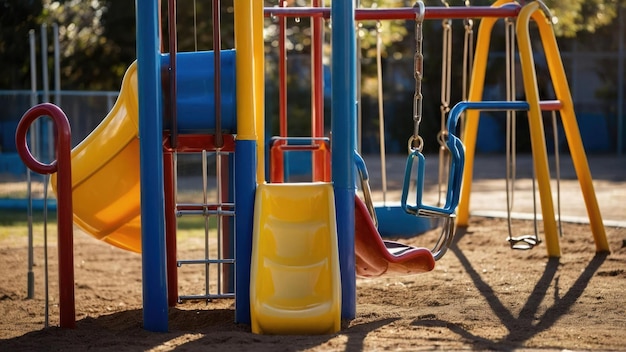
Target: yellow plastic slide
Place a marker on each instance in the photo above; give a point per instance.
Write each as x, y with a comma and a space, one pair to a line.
295, 285
105, 174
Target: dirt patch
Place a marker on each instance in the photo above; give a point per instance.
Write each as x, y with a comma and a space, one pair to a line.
481, 296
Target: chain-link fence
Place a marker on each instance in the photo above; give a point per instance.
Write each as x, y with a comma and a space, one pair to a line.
85, 110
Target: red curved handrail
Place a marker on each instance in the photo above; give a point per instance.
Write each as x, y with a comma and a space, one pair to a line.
63, 167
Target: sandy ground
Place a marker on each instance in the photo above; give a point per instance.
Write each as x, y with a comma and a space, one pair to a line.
481, 296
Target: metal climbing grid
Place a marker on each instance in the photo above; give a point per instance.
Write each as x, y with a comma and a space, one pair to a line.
217, 213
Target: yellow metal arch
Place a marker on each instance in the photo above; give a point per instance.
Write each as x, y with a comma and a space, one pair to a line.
557, 73
535, 11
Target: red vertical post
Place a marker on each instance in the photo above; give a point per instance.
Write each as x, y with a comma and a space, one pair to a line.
282, 73
217, 72
63, 167
321, 171
277, 167
173, 49
277, 164
170, 224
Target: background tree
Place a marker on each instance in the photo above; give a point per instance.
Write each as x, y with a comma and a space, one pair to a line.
98, 36
97, 41
98, 44
17, 19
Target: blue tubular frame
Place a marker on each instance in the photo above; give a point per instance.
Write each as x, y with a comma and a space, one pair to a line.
457, 152
245, 187
154, 272
343, 123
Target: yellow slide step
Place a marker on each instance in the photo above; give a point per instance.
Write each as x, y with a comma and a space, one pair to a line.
295, 285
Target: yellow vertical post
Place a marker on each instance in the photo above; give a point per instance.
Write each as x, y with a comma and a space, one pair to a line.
568, 117
250, 78
259, 83
477, 84
537, 136
246, 70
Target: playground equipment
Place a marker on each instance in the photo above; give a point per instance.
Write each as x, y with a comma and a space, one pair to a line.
564, 104
295, 248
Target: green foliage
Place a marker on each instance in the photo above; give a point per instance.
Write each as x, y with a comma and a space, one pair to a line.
98, 42
98, 37
94, 41
576, 16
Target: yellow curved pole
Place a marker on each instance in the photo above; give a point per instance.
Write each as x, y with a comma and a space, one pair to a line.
570, 126
477, 84
535, 122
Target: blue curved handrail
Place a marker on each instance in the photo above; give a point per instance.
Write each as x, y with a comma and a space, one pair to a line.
457, 162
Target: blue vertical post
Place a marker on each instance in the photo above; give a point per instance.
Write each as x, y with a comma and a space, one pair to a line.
343, 90
245, 186
151, 168
249, 66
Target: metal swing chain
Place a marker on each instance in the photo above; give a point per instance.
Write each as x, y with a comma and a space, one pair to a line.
468, 61
381, 110
446, 67
442, 135
511, 123
523, 242
445, 78
557, 162
416, 142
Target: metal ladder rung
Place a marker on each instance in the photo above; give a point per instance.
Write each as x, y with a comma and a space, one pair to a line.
205, 297
180, 213
221, 209
206, 205
180, 263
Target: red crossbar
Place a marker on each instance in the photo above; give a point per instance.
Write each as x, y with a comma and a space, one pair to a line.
403, 13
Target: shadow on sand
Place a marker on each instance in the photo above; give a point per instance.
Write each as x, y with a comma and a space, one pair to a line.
528, 323
189, 330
